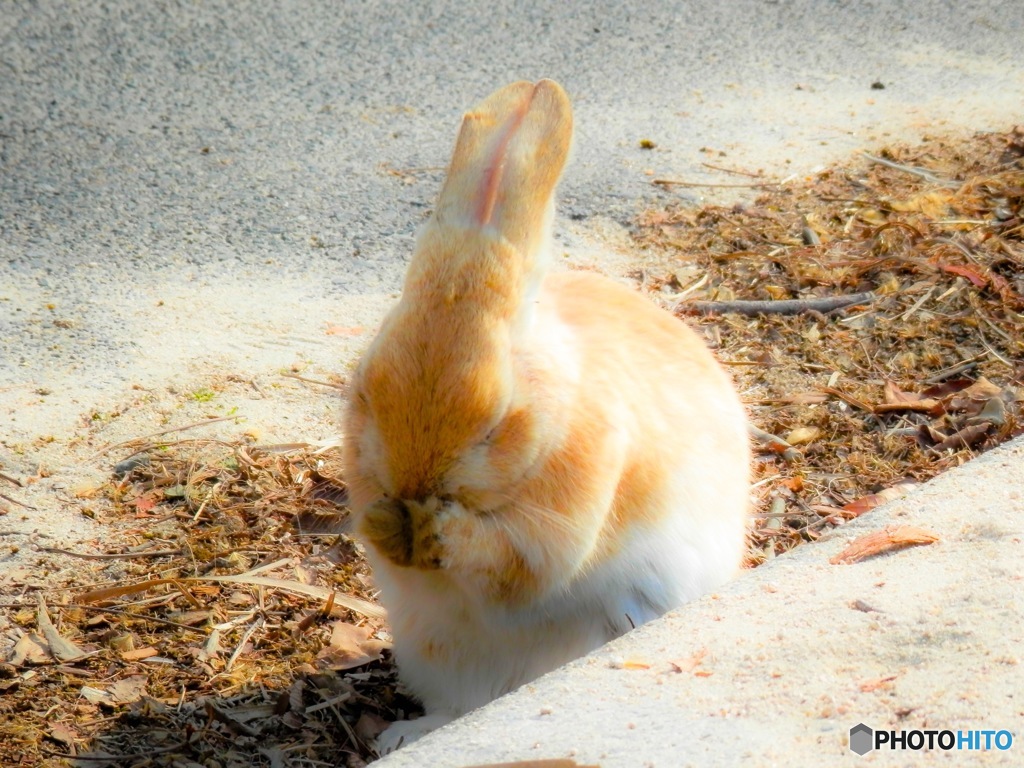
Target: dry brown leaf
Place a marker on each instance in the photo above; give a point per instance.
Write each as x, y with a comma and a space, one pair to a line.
993, 411
795, 483
980, 391
191, 618
64, 734
29, 650
211, 648
350, 646
86, 489
977, 279
129, 689
305, 575
369, 726
147, 502
933, 203
61, 648
929, 435
946, 388
96, 695
890, 539
898, 400
964, 438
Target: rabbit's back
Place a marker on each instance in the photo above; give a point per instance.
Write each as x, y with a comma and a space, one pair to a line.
681, 503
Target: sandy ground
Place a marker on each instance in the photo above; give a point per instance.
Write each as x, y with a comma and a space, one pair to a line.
195, 198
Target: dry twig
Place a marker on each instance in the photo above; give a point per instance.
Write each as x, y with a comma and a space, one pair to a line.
161, 433
711, 185
781, 307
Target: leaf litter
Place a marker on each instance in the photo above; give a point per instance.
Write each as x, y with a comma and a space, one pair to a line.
254, 639
236, 624
857, 405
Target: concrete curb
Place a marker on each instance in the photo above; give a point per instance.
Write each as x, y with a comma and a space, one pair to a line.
781, 663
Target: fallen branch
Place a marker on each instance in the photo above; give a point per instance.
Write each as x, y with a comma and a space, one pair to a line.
732, 170
675, 183
308, 380
783, 307
103, 556
954, 370
368, 609
921, 173
10, 479
5, 497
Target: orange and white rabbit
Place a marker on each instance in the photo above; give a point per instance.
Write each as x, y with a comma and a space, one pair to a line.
537, 462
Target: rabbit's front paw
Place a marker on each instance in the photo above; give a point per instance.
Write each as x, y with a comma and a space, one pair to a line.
408, 533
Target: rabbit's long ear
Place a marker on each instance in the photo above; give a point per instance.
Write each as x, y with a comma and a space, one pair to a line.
486, 248
508, 158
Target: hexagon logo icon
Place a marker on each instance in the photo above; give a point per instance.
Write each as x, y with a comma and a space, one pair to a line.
861, 739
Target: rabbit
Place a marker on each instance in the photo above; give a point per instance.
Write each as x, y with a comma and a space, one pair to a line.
536, 462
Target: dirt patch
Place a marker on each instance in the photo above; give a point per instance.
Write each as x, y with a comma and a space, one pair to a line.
230, 620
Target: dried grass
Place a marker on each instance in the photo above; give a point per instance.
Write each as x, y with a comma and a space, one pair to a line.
915, 379
253, 638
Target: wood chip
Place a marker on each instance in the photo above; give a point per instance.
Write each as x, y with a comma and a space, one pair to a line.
888, 540
881, 683
128, 689
139, 653
864, 504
